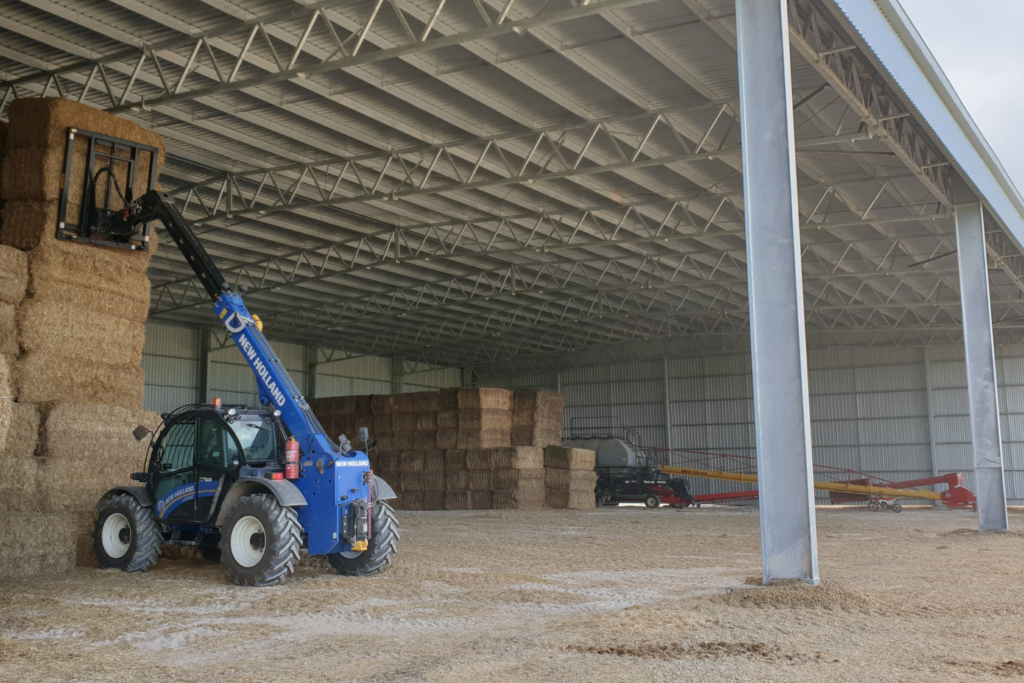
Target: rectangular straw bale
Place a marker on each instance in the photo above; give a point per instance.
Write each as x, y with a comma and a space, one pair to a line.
382, 404
523, 457
390, 463
387, 442
454, 459
79, 435
417, 440
413, 500
130, 300
570, 479
479, 480
481, 500
383, 423
41, 380
6, 398
447, 438
34, 174
64, 487
85, 552
412, 481
426, 422
19, 484
517, 500
485, 420
542, 433
61, 330
433, 481
572, 500
478, 459
456, 480
8, 331
448, 399
404, 403
485, 399
43, 122
34, 544
510, 479
483, 439
559, 457
13, 275
530, 405
412, 461
433, 461
448, 419
405, 422
22, 434
96, 264
456, 500
433, 500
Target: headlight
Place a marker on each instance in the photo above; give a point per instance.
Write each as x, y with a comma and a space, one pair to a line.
231, 412
277, 413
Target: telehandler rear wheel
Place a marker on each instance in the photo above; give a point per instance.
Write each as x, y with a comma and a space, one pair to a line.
382, 546
126, 535
260, 541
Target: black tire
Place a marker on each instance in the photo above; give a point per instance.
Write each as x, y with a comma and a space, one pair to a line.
652, 501
873, 506
126, 536
210, 553
380, 550
896, 507
272, 547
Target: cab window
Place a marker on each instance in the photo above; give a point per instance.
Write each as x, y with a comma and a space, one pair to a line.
217, 447
177, 448
258, 437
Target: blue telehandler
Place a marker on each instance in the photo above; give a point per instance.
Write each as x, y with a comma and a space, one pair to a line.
250, 485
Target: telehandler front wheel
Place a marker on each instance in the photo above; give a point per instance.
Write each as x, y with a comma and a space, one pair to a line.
260, 541
126, 535
382, 546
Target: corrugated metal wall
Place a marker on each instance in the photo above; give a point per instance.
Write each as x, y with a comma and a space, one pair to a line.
896, 412
171, 360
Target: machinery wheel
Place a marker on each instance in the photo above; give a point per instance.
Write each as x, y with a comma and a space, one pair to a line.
896, 507
382, 546
873, 506
260, 541
652, 501
126, 535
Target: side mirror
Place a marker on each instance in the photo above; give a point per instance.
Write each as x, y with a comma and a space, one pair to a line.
141, 432
344, 444
364, 433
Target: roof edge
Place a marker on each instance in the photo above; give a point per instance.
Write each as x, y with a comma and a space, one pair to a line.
901, 51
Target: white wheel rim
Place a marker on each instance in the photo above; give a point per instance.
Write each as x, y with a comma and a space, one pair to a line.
248, 541
117, 535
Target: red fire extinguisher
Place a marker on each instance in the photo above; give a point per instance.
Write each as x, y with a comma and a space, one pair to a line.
291, 459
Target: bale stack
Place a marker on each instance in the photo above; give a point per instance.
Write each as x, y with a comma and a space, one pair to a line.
71, 319
569, 478
482, 418
537, 418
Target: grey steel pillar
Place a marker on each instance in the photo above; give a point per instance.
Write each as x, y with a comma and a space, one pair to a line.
397, 367
979, 350
782, 421
205, 341
311, 366
668, 404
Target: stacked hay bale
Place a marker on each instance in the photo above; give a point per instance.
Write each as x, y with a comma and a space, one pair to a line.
75, 336
569, 478
537, 418
482, 418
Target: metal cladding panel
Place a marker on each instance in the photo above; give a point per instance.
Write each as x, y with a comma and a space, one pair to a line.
165, 371
938, 354
645, 370
834, 433
832, 381
948, 375
890, 378
735, 411
1013, 456
685, 367
1015, 487
690, 437
687, 389
688, 412
893, 404
729, 386
951, 429
366, 367
164, 399
845, 457
888, 355
727, 365
894, 431
173, 342
951, 402
887, 458
331, 385
232, 377
1014, 428
543, 380
833, 406
425, 380
829, 358
1012, 371
954, 457
292, 355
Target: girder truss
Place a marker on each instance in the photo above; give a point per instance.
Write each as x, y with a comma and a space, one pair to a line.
515, 237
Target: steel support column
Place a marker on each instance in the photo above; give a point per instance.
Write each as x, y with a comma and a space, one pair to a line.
983, 392
205, 342
397, 374
668, 403
782, 421
312, 352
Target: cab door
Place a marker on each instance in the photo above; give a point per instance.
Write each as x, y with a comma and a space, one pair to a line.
173, 473
218, 458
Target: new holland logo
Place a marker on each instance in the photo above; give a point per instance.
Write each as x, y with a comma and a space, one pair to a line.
351, 463
249, 351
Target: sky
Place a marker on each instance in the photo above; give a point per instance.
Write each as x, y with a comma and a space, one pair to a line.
980, 47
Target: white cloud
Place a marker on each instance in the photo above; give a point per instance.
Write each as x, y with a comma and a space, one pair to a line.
980, 48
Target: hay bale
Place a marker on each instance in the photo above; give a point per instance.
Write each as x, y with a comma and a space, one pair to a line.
412, 461
6, 399
448, 419
34, 544
559, 457
456, 500
125, 297
447, 439
433, 461
85, 551
529, 406
570, 479
383, 424
61, 330
542, 433
41, 380
456, 480
43, 122
433, 481
454, 459
426, 422
8, 331
412, 500
523, 457
485, 399
382, 404
518, 499
433, 500
405, 422
18, 464
482, 439
389, 463
479, 480
87, 434
481, 500
33, 174
411, 481
64, 487
569, 500
387, 442
448, 399
485, 420
13, 275
512, 479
